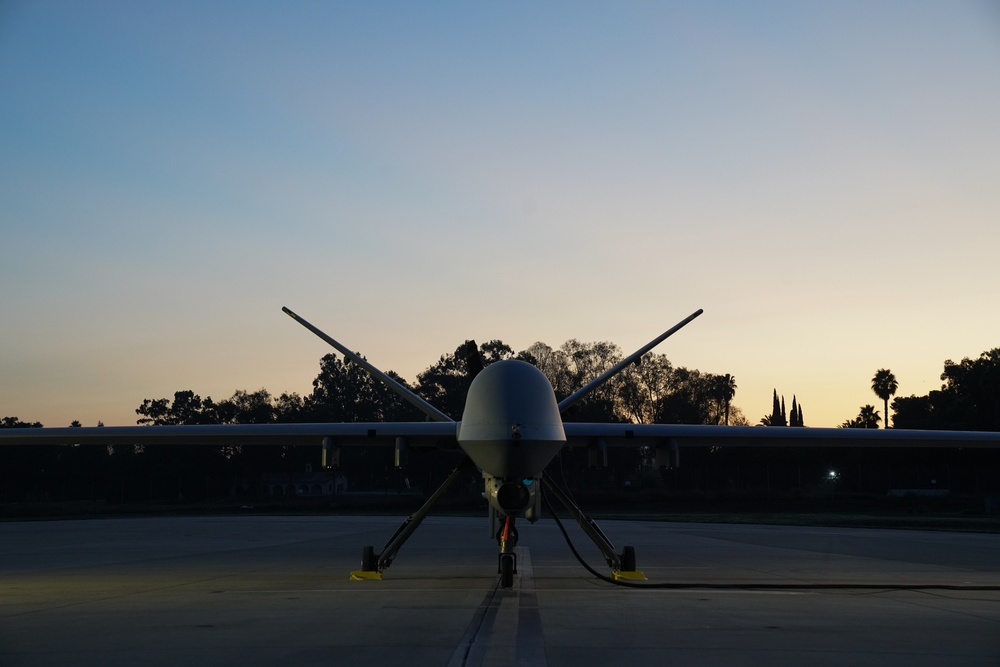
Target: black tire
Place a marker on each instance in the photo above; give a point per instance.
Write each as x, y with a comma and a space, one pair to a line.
628, 559
369, 563
506, 572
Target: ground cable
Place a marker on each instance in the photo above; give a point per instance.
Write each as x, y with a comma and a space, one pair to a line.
755, 587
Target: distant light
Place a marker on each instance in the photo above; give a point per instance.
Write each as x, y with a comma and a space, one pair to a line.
833, 474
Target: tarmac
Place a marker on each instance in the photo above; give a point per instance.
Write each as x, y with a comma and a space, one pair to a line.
268, 590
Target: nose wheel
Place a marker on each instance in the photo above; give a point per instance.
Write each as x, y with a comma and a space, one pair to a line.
508, 566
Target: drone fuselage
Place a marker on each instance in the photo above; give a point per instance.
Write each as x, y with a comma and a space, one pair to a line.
511, 429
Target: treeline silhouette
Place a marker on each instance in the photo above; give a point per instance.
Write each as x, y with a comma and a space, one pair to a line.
652, 391
969, 398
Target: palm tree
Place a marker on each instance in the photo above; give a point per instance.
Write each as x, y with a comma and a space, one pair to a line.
725, 390
884, 385
868, 417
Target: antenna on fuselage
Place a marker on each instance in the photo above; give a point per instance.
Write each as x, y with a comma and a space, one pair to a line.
632, 358
407, 395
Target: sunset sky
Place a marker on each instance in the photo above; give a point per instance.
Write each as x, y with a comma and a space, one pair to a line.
823, 178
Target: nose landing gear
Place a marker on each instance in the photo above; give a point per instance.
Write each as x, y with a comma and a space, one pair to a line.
507, 560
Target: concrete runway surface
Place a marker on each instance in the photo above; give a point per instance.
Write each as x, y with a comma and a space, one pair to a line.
268, 590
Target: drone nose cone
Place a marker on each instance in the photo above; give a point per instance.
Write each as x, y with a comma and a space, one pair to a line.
511, 400
511, 425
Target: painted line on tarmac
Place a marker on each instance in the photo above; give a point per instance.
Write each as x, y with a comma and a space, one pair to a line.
530, 638
506, 628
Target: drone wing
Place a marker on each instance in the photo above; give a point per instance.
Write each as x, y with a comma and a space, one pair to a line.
694, 435
416, 434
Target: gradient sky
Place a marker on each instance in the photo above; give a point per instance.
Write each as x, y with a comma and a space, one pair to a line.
823, 178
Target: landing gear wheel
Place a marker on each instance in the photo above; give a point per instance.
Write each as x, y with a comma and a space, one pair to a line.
369, 563
628, 559
506, 571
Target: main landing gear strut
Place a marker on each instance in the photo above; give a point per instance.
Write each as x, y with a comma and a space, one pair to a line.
622, 564
373, 564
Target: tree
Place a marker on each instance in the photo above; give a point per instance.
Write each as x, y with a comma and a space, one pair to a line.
573, 365
289, 408
692, 399
650, 390
919, 412
14, 422
249, 407
725, 388
187, 408
345, 392
446, 383
777, 416
884, 385
795, 419
642, 388
974, 388
868, 417
969, 399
